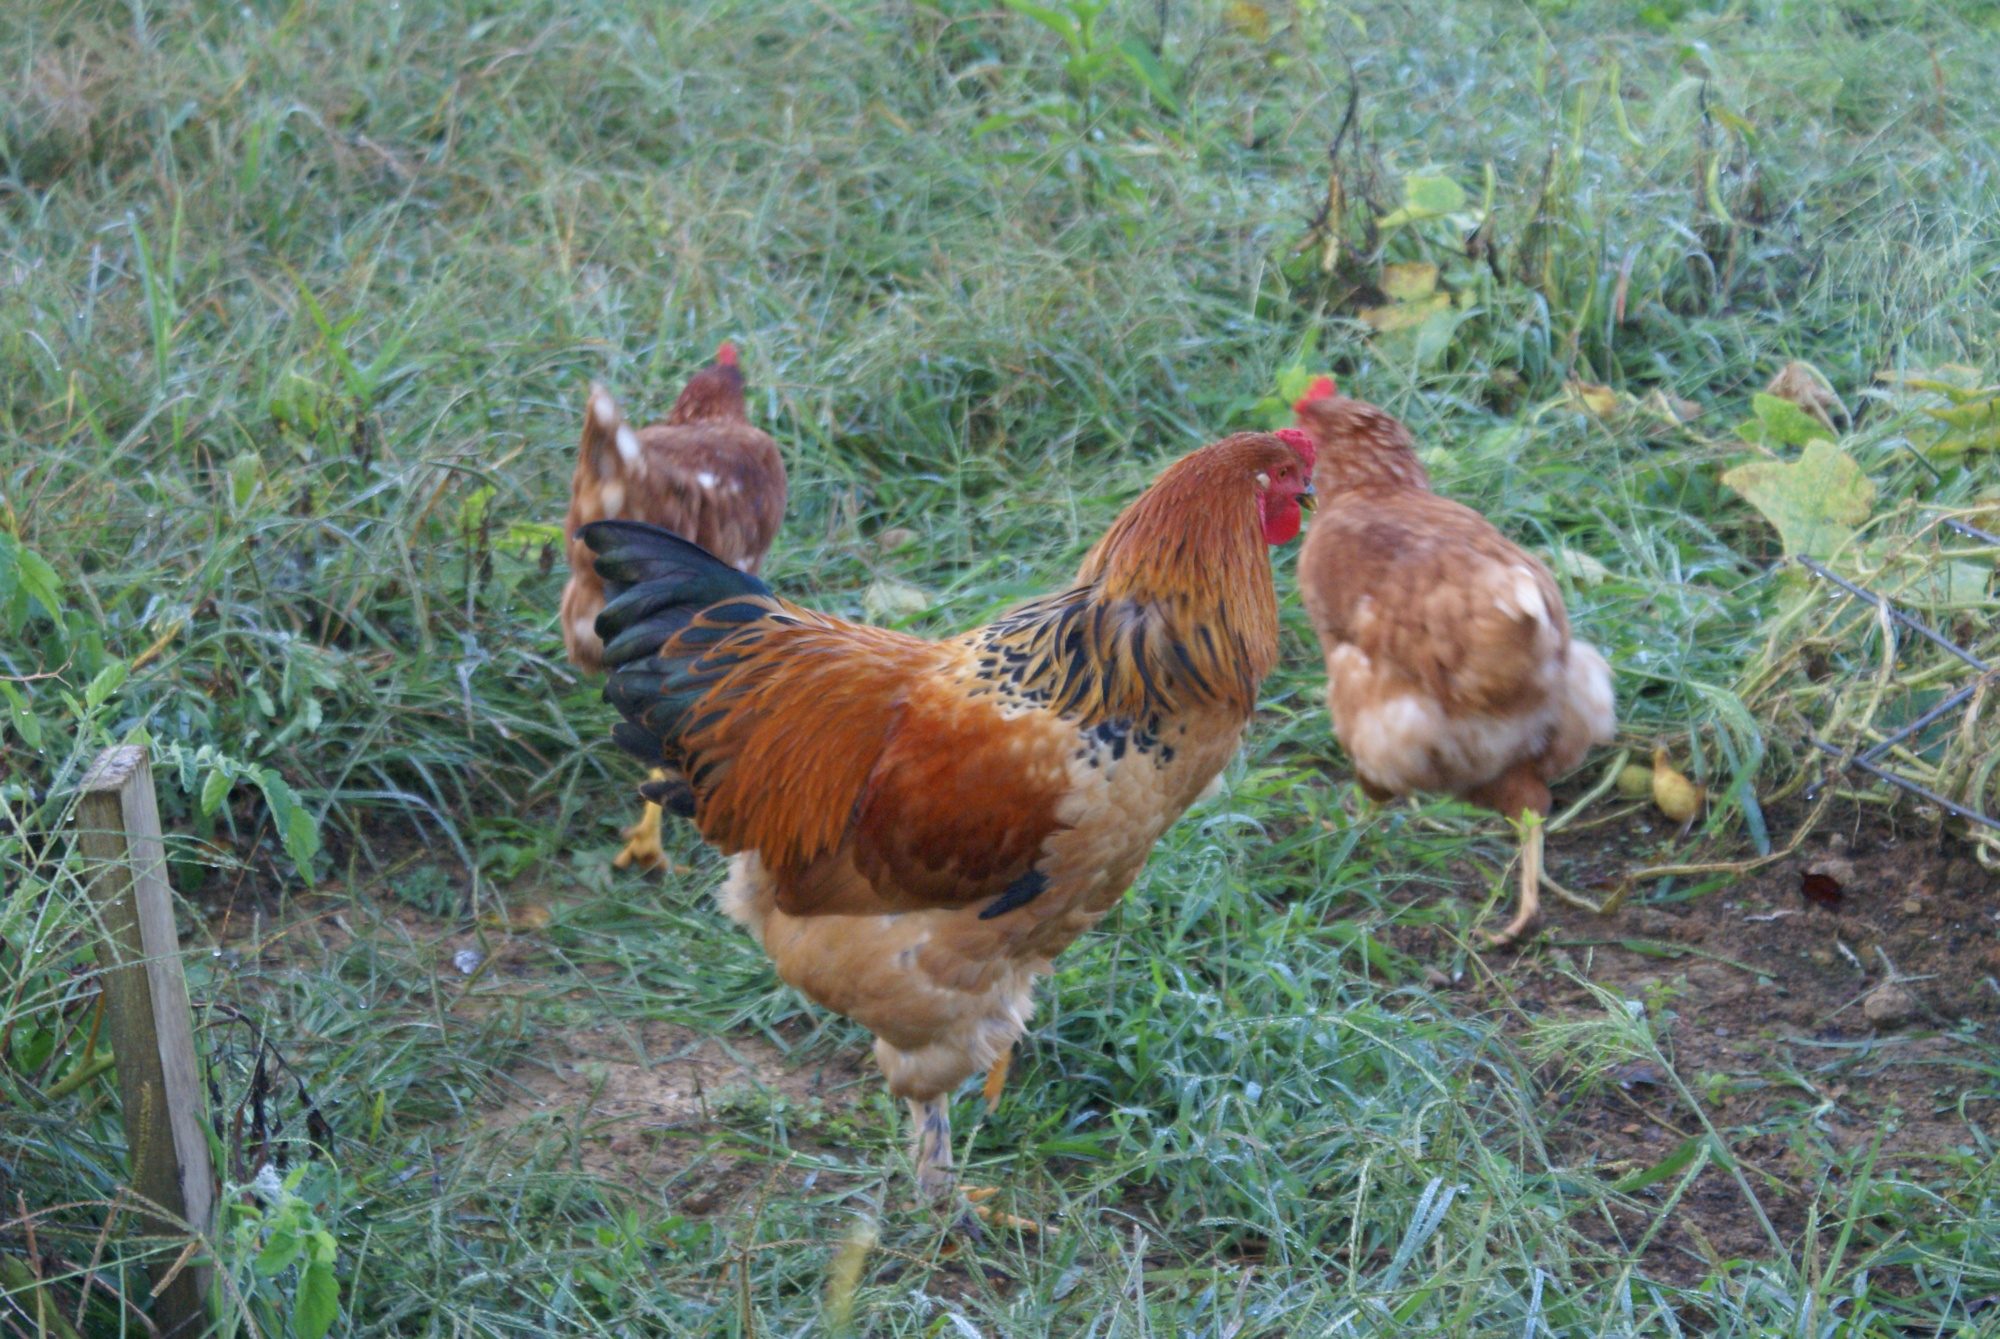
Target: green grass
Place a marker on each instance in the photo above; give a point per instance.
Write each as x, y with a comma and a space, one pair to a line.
297, 310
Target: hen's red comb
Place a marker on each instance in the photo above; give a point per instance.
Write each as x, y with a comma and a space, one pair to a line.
1322, 388
725, 354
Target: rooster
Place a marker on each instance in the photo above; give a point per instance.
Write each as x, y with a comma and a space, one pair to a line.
1449, 661
917, 828
704, 473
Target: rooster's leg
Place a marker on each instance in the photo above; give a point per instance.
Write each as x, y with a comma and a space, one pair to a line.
996, 1079
642, 839
935, 1179
932, 1151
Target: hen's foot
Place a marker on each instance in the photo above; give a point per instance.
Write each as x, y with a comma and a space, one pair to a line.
642, 843
976, 1197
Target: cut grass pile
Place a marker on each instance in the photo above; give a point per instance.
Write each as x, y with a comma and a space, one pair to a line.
297, 309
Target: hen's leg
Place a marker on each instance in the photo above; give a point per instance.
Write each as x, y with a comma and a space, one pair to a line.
642, 839
1528, 908
931, 1122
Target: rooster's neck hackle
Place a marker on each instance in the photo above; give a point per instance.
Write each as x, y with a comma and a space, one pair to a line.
1174, 608
1361, 447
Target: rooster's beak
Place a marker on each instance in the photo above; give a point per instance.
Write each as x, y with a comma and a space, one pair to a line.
1308, 498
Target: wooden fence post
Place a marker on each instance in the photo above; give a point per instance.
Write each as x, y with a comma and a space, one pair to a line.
152, 1028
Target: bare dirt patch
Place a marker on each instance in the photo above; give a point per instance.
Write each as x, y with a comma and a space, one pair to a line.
641, 1102
1809, 1028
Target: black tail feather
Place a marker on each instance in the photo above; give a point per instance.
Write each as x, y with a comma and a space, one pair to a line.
656, 584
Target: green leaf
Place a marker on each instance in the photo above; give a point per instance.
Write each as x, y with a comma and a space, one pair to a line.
1434, 336
1426, 197
245, 473
1968, 426
283, 1247
1675, 1162
1054, 20
1815, 502
296, 828
214, 789
317, 1306
1779, 422
1147, 67
103, 684
472, 512
26, 723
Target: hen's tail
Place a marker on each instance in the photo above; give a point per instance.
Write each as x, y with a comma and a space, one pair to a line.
610, 448
655, 584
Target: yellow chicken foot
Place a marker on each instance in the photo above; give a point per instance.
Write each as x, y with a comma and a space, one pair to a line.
977, 1196
642, 839
1534, 878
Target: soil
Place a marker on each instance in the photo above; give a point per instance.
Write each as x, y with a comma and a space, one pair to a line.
641, 1102
1808, 1028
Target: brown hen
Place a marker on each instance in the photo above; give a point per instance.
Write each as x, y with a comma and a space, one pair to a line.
704, 473
1449, 662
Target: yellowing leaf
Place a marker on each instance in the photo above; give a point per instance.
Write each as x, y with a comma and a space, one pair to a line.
1599, 399
888, 600
1403, 315
1670, 408
1807, 387
1971, 425
1815, 502
1252, 20
1409, 282
1955, 381
1579, 567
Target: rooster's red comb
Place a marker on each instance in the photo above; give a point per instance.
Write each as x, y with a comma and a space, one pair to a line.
1302, 443
725, 354
1322, 388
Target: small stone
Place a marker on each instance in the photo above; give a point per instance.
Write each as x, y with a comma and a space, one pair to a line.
1822, 956
895, 537
1890, 1005
1913, 906
1838, 868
